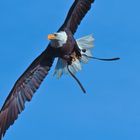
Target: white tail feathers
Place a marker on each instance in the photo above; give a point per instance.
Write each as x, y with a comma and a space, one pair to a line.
60, 68
85, 44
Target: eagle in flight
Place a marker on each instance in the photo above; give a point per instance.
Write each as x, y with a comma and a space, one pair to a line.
70, 53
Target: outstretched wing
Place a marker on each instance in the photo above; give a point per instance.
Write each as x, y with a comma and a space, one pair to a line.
76, 13
24, 89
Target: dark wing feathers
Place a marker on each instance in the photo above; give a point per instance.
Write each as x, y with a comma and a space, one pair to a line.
75, 15
24, 90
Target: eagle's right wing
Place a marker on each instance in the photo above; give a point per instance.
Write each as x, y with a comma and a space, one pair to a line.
24, 89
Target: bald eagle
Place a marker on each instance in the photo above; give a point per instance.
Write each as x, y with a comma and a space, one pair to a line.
70, 53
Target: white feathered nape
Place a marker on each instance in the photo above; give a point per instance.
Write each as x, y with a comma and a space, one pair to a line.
85, 44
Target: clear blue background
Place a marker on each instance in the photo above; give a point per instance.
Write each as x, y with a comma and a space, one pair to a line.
59, 110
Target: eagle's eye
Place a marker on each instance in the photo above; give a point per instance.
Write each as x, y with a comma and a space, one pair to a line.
55, 34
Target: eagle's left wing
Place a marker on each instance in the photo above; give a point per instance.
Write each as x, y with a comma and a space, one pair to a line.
75, 15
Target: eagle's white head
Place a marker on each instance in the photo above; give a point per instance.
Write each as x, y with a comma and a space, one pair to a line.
58, 39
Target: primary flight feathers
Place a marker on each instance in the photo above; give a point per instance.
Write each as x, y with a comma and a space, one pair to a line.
29, 82
76, 13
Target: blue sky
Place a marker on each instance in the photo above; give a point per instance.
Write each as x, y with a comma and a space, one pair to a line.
59, 110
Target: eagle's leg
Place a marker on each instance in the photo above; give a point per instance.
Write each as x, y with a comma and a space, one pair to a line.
77, 51
71, 58
68, 59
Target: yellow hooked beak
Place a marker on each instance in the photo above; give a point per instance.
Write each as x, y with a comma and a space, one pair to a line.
51, 36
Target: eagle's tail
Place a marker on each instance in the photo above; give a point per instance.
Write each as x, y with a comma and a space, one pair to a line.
85, 44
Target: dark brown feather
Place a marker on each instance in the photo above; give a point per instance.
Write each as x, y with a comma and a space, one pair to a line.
75, 15
24, 89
